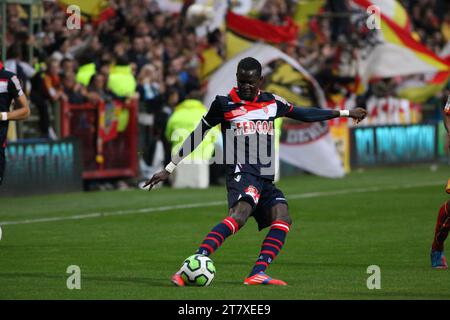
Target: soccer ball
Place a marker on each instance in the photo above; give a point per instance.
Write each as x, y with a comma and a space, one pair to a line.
198, 270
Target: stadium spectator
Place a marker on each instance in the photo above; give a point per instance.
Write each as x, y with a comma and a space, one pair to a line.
138, 53
67, 66
150, 88
340, 24
73, 92
186, 116
97, 89
46, 90
121, 79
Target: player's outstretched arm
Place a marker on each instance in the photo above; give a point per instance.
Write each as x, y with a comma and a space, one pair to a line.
188, 146
315, 114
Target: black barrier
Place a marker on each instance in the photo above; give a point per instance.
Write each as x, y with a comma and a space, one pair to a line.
42, 167
392, 145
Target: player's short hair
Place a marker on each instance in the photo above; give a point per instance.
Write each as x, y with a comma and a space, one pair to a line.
250, 63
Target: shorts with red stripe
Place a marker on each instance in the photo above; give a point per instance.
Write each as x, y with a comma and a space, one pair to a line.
260, 193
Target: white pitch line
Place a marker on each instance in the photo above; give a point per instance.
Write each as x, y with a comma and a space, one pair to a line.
218, 203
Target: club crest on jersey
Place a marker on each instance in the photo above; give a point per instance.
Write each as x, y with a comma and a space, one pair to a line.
252, 192
238, 112
251, 127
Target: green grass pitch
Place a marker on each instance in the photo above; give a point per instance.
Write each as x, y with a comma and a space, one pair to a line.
127, 244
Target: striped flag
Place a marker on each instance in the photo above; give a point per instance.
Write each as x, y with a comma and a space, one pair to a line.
243, 31
420, 90
395, 52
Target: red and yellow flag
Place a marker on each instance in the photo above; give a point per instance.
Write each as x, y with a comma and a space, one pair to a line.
397, 52
243, 31
95, 10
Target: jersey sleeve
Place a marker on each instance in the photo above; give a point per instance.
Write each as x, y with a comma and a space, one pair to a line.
283, 107
14, 87
215, 114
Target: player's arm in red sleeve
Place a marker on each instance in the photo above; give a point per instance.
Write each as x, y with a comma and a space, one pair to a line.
209, 120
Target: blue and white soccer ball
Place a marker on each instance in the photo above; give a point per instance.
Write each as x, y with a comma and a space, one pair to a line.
198, 270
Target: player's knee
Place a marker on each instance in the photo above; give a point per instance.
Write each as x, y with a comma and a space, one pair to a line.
240, 213
280, 212
239, 218
285, 218
288, 220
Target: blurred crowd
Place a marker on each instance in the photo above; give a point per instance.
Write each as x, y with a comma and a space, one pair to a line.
154, 56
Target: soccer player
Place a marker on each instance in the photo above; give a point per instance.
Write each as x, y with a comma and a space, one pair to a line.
10, 89
247, 117
438, 260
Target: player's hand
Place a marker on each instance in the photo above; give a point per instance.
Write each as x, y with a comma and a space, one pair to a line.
358, 114
157, 178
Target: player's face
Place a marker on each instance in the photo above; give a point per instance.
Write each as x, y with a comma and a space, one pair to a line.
248, 82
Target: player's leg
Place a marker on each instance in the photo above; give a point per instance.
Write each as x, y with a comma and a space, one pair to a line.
271, 247
277, 217
441, 231
237, 217
243, 195
241, 203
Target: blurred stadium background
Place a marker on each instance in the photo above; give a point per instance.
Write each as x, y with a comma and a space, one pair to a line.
108, 88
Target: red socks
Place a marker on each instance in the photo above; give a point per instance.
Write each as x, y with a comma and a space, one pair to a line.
442, 228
